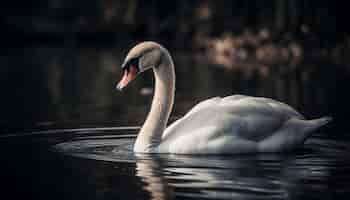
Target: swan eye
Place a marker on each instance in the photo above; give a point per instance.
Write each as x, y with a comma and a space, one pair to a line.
134, 62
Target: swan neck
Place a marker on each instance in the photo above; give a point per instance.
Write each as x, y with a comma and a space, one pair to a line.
151, 132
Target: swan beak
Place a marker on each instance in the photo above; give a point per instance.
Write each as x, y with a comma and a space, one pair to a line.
129, 75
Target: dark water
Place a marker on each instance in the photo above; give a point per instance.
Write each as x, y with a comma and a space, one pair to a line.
100, 164
52, 95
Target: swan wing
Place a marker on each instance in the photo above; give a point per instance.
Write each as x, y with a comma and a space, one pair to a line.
204, 107
244, 117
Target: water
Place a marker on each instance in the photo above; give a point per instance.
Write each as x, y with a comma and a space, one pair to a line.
99, 164
56, 94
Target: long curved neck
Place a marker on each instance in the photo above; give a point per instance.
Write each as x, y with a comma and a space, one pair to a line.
151, 132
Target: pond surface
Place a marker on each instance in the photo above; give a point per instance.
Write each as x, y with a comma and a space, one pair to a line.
66, 134
100, 164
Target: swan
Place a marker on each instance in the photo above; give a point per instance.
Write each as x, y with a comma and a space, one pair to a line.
228, 125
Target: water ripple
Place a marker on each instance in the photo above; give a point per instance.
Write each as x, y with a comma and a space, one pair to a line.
263, 176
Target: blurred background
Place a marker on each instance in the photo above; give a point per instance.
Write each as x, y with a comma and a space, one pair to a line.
60, 59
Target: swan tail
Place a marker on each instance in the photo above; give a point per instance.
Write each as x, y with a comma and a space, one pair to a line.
309, 126
292, 135
314, 124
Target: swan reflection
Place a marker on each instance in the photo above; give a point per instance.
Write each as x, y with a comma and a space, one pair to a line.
151, 173
241, 177
265, 176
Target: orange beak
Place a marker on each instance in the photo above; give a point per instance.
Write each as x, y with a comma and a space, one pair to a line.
128, 76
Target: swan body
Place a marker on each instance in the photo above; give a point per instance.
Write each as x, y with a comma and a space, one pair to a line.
228, 125
238, 124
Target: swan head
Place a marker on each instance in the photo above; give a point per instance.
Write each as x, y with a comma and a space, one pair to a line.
143, 56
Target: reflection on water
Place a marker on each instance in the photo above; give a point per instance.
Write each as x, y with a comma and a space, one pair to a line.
308, 173
151, 173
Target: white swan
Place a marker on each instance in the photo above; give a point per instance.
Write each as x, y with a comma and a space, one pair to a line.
233, 124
